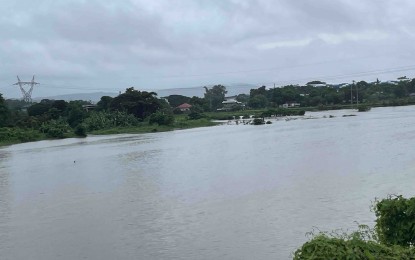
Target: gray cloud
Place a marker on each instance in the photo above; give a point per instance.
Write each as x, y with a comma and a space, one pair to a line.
163, 44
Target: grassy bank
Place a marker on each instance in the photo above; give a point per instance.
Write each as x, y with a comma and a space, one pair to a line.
9, 136
180, 123
17, 135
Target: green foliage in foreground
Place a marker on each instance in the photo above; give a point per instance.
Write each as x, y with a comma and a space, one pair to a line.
354, 246
395, 223
392, 238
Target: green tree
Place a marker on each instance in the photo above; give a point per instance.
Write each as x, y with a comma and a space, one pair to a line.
39, 108
76, 114
258, 101
401, 90
214, 96
177, 100
104, 103
259, 91
199, 102
4, 112
139, 103
244, 98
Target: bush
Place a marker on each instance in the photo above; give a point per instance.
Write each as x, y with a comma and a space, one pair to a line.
358, 245
395, 223
55, 128
258, 121
393, 237
80, 130
12, 135
363, 108
104, 120
195, 115
161, 118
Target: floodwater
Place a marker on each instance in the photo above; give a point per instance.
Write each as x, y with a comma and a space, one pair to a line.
223, 192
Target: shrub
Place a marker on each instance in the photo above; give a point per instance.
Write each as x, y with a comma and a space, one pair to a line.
258, 121
80, 130
301, 112
392, 238
55, 128
358, 245
363, 108
11, 135
161, 118
104, 120
395, 223
195, 115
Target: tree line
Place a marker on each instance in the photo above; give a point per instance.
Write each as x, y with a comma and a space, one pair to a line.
58, 118
375, 93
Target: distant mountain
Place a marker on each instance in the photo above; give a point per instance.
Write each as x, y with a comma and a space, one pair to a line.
94, 97
233, 90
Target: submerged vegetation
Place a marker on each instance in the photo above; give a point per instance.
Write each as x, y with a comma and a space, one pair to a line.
392, 238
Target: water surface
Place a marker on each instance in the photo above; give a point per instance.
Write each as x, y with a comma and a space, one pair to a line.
223, 192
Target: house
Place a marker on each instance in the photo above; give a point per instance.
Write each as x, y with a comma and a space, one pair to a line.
290, 105
231, 103
89, 107
184, 107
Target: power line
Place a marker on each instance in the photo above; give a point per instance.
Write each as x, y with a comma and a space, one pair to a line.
330, 77
260, 70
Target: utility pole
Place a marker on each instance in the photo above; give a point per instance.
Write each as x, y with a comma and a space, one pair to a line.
27, 94
357, 96
351, 95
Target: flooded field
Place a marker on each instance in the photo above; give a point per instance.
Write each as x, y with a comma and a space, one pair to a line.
224, 192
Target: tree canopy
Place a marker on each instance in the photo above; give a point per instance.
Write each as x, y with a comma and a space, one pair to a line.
139, 103
214, 96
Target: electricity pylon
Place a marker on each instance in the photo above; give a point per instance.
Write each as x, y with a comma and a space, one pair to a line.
27, 94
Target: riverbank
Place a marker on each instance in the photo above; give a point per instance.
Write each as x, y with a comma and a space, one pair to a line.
179, 124
10, 136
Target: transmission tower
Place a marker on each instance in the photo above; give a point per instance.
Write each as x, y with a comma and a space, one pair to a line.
27, 94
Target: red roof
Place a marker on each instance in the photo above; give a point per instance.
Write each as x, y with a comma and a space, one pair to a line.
185, 105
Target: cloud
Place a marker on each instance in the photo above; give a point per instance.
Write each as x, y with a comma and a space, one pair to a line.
282, 44
138, 42
331, 38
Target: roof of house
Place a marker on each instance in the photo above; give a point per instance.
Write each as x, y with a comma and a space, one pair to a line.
185, 105
231, 101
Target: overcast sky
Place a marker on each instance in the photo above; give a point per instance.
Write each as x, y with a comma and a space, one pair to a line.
89, 46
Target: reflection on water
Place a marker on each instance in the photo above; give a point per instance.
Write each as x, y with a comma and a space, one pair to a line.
4, 202
225, 192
